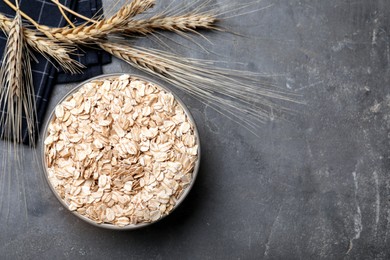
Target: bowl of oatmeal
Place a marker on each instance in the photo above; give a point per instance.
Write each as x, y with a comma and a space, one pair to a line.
120, 151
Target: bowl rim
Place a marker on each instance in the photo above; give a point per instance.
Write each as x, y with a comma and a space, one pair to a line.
106, 225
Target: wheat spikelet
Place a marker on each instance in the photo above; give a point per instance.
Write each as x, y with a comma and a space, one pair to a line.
233, 93
85, 33
47, 47
182, 23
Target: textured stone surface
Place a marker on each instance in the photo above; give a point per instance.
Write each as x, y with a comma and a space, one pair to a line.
315, 187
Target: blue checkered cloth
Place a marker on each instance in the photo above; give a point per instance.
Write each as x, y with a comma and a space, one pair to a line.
45, 74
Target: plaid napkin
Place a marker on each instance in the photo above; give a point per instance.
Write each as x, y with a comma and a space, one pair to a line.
46, 75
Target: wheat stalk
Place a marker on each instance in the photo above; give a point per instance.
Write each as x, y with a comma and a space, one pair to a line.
233, 93
47, 47
84, 34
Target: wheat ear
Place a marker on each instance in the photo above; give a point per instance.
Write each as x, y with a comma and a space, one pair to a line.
85, 33
47, 47
17, 92
233, 93
182, 23
11, 82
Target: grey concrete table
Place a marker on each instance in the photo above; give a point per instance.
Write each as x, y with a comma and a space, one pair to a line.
317, 187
